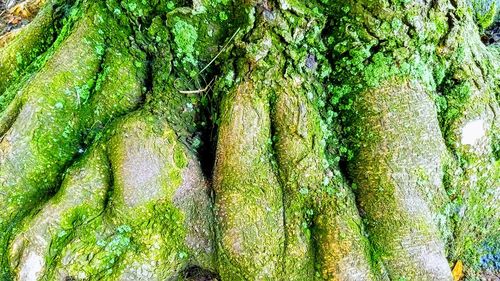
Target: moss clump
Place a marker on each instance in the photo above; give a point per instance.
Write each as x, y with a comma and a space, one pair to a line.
180, 157
185, 36
485, 12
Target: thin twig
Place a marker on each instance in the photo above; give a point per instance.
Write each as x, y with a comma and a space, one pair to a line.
222, 50
205, 68
200, 90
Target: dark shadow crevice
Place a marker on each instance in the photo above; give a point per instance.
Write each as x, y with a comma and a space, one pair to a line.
196, 273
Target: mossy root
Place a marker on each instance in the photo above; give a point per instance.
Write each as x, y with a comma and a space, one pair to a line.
148, 218
248, 197
322, 226
29, 43
399, 172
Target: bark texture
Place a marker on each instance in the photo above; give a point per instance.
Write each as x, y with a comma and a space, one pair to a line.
250, 140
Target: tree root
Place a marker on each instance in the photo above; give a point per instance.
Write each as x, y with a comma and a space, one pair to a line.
248, 198
26, 45
148, 218
399, 171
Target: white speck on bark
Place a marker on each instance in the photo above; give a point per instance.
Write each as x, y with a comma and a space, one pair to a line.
473, 132
32, 267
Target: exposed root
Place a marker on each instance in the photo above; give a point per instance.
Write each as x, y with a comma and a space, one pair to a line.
157, 223
248, 195
322, 226
399, 169
25, 46
134, 203
55, 111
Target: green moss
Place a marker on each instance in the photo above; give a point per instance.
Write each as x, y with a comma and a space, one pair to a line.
485, 12
465, 98
457, 95
185, 37
175, 177
118, 90
139, 239
223, 16
26, 72
301, 163
180, 158
193, 34
32, 41
128, 248
295, 151
476, 227
63, 100
223, 2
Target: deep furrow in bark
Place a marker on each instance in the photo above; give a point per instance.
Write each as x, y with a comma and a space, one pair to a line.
275, 162
8, 116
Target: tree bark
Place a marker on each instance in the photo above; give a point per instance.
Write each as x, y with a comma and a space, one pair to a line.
250, 140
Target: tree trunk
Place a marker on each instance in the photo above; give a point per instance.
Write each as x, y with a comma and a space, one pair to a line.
250, 140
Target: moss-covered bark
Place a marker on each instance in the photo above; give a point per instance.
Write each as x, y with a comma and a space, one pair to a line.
41, 130
470, 123
249, 140
27, 45
399, 173
412, 54
248, 195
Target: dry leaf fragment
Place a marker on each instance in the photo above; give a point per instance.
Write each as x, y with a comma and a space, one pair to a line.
458, 271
